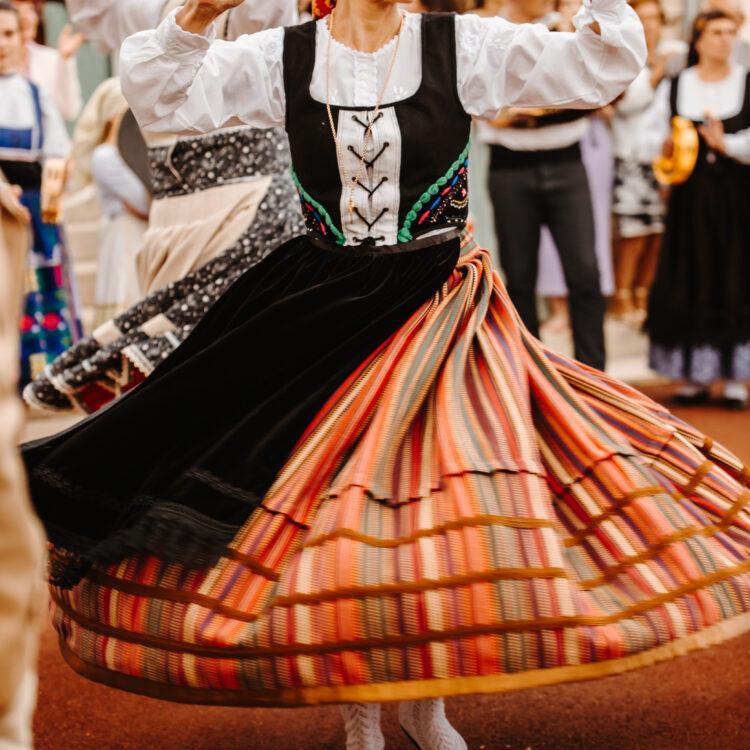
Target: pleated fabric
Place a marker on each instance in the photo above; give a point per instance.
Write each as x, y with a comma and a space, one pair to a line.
468, 513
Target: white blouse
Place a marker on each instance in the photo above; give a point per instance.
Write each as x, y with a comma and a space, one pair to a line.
17, 111
633, 112
187, 83
107, 23
722, 99
117, 183
58, 78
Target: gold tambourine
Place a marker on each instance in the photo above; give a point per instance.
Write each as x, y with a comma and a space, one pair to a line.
675, 169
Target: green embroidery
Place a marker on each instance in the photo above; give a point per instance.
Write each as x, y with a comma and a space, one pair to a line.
404, 234
337, 233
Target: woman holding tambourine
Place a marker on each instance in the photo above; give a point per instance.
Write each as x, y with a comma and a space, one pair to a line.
699, 309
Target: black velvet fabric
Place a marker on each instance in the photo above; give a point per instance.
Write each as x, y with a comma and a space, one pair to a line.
700, 294
175, 467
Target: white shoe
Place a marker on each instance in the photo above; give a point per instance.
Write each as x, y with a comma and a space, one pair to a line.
362, 724
427, 727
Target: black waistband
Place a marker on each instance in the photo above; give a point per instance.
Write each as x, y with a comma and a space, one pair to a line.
501, 157
26, 174
421, 243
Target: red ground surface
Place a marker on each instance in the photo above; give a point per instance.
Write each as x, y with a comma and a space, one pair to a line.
700, 701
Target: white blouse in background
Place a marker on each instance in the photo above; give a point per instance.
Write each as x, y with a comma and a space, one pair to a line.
117, 183
17, 111
722, 99
58, 78
633, 112
179, 82
107, 23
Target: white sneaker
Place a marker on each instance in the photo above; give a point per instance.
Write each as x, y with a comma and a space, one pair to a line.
735, 395
362, 724
426, 725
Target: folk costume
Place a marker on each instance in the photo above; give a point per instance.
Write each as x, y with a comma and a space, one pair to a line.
394, 490
32, 130
221, 202
699, 312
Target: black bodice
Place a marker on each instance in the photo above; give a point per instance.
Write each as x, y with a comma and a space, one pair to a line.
434, 129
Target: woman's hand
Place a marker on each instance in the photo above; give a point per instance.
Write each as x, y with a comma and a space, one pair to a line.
196, 15
10, 201
54, 177
712, 131
69, 42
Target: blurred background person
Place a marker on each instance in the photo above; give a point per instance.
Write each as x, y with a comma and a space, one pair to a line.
537, 178
53, 70
123, 198
21, 536
221, 203
638, 205
734, 9
32, 135
596, 155
699, 308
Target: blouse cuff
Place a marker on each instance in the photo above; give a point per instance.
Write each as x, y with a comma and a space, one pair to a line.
602, 11
176, 41
738, 146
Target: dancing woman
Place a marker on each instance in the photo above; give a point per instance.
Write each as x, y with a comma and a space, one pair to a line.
222, 202
365, 480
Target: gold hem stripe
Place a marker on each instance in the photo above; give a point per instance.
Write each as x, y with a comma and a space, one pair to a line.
549, 623
414, 689
460, 523
700, 474
617, 505
653, 550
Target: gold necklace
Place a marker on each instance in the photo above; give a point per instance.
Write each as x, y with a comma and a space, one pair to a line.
370, 122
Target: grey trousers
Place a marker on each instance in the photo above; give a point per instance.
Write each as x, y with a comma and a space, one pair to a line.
527, 195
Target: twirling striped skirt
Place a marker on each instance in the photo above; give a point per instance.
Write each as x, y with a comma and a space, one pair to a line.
467, 513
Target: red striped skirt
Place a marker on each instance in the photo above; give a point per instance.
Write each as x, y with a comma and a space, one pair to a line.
468, 513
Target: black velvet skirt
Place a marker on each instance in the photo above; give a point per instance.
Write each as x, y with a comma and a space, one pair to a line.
175, 467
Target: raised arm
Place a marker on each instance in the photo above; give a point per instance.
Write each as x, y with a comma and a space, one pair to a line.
179, 79
108, 23
501, 64
256, 15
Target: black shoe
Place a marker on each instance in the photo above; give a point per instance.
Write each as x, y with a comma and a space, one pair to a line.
696, 398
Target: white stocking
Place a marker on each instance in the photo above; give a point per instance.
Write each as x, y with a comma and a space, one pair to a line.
427, 726
362, 723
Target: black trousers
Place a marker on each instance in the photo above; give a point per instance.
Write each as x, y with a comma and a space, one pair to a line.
529, 190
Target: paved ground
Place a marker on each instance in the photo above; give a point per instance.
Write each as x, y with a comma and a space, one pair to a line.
698, 702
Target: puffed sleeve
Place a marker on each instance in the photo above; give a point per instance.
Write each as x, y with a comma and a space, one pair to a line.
107, 23
501, 64
738, 146
657, 128
178, 82
56, 139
